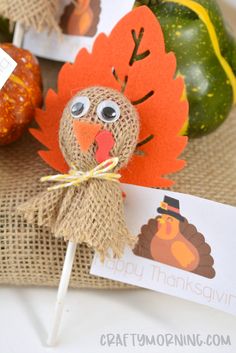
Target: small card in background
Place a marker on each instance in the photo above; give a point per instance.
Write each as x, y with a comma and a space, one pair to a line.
7, 66
186, 247
80, 27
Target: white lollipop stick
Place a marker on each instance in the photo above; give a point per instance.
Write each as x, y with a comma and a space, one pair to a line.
18, 35
71, 249
62, 290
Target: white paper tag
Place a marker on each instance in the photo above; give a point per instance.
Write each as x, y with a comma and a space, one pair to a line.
7, 66
186, 247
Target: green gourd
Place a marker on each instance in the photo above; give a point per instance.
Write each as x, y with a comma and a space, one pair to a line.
211, 89
5, 33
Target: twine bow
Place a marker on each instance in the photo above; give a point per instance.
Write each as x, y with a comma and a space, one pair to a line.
77, 177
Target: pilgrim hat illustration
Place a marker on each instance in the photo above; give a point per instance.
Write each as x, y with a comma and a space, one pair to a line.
175, 242
170, 206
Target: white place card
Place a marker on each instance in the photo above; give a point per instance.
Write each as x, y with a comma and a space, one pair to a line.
80, 26
7, 66
186, 247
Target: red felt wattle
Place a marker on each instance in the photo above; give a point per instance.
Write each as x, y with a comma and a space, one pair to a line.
153, 76
105, 142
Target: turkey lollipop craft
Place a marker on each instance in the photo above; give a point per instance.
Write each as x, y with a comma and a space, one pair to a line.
117, 116
97, 135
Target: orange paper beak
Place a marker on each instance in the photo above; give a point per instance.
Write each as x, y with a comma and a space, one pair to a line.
85, 133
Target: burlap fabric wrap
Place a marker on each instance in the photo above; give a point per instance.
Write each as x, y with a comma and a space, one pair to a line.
31, 255
39, 14
93, 212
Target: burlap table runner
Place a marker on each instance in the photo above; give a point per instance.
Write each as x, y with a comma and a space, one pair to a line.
31, 256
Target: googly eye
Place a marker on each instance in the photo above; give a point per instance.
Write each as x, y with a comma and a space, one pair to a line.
79, 107
108, 111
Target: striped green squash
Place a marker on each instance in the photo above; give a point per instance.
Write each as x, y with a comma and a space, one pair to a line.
206, 57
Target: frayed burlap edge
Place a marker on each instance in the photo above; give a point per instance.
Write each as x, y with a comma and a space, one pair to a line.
39, 14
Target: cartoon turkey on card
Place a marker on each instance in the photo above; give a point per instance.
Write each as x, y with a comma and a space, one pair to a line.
81, 17
170, 239
117, 115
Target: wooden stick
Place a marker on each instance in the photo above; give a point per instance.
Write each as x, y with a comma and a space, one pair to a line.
62, 290
18, 35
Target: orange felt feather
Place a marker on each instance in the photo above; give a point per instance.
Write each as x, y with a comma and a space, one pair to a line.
132, 59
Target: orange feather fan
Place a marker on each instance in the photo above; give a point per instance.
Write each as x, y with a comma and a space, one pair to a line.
132, 59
